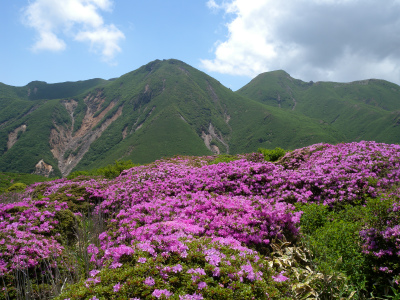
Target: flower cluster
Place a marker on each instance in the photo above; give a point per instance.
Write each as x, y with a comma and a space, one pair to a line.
382, 236
156, 213
25, 239
239, 270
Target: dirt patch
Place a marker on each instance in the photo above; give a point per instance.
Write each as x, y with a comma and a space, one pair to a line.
13, 136
69, 147
125, 132
43, 169
208, 137
215, 149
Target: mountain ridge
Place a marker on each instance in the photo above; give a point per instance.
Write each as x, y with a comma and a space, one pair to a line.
373, 103
167, 108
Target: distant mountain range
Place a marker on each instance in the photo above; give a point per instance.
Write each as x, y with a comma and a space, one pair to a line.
168, 108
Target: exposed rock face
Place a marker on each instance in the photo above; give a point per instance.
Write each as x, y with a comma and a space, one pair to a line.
207, 138
69, 147
215, 149
43, 169
13, 136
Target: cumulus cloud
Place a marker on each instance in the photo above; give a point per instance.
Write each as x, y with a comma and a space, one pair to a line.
337, 40
76, 19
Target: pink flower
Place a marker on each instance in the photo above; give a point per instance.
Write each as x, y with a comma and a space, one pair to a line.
117, 287
280, 277
177, 268
94, 273
149, 281
158, 293
92, 249
115, 265
191, 297
201, 285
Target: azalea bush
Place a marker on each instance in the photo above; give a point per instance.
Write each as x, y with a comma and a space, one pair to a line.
191, 228
381, 238
32, 257
203, 268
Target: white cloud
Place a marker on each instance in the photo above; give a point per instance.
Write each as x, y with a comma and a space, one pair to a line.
212, 4
312, 39
49, 41
76, 19
104, 38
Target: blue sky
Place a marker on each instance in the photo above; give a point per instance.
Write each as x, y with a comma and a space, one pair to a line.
231, 40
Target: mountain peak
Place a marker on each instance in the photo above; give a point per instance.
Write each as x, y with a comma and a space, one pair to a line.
167, 107
275, 73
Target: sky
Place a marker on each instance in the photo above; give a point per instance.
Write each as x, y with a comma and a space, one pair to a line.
230, 40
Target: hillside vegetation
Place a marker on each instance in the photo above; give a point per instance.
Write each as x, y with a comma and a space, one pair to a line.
321, 222
360, 110
16, 181
168, 108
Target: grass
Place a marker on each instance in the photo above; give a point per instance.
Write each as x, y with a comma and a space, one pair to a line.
7, 180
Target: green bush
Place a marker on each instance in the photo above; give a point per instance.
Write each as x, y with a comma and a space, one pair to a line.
333, 236
17, 187
110, 171
17, 182
65, 227
272, 154
223, 158
339, 241
314, 217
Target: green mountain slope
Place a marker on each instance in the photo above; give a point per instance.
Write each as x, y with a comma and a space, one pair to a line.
171, 108
168, 108
361, 110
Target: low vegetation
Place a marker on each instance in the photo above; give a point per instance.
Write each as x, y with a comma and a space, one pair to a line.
17, 182
320, 222
110, 171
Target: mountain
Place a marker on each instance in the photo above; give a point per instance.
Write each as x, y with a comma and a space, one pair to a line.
168, 108
360, 110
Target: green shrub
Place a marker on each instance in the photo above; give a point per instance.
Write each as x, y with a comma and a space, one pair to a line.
339, 240
333, 236
272, 154
314, 217
65, 227
110, 171
16, 187
223, 158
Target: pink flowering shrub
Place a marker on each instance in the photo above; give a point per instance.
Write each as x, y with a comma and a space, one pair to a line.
200, 268
178, 226
382, 237
25, 229
29, 244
